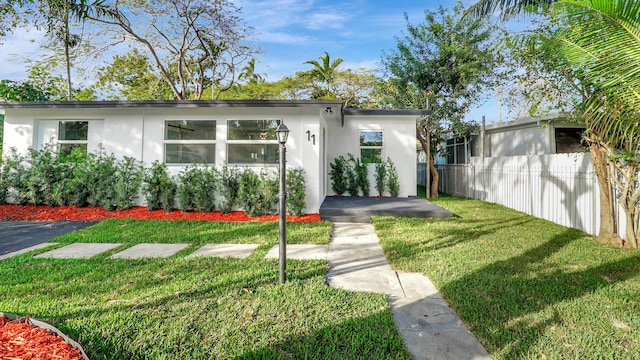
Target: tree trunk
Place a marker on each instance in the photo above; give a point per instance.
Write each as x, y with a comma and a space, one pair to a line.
607, 232
435, 178
422, 136
631, 236
67, 56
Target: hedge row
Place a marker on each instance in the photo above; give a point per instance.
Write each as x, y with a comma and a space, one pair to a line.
100, 179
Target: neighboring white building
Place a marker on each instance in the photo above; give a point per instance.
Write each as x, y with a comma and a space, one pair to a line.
240, 133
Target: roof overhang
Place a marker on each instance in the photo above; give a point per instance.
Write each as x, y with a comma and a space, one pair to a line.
172, 104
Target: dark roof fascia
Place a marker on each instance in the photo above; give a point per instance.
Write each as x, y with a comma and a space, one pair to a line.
382, 112
172, 104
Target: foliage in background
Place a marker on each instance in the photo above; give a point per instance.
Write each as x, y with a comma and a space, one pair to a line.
381, 178
444, 65
295, 191
195, 45
393, 184
159, 187
22, 91
337, 174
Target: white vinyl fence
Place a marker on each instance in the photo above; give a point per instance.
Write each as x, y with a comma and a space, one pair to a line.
562, 188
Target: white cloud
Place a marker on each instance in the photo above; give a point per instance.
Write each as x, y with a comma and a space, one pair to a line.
319, 21
17, 49
282, 38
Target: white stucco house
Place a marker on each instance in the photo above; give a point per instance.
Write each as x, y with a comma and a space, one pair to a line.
240, 133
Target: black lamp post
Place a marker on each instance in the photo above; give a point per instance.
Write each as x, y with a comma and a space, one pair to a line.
282, 132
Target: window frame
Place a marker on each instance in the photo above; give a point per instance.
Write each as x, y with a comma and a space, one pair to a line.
230, 142
78, 142
371, 147
167, 141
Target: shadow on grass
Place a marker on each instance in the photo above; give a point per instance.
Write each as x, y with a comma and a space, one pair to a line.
460, 231
371, 337
496, 299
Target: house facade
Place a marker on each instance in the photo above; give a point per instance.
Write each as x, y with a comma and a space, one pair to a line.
239, 133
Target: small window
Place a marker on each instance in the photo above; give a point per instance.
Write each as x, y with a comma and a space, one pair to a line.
371, 146
190, 141
72, 135
252, 142
456, 150
569, 140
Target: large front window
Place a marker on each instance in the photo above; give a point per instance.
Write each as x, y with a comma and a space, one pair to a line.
371, 146
72, 135
190, 141
252, 142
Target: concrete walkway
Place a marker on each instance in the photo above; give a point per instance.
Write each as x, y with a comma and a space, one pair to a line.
429, 327
431, 330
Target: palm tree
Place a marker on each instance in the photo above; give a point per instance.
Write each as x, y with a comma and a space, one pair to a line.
249, 74
604, 41
325, 71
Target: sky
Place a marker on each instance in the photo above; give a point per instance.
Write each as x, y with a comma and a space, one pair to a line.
290, 32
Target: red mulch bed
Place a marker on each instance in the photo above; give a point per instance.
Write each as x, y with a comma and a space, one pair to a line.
74, 213
25, 341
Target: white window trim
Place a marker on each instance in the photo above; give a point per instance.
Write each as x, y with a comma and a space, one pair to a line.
382, 150
186, 142
59, 142
248, 142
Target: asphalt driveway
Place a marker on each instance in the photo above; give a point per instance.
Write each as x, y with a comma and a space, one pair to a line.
18, 235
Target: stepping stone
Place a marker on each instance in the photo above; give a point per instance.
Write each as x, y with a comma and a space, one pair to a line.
78, 251
301, 252
149, 250
239, 251
26, 250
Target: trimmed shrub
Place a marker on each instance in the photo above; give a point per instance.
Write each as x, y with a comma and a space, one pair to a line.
353, 184
392, 183
196, 188
338, 175
381, 178
229, 187
129, 175
362, 173
258, 193
159, 188
295, 191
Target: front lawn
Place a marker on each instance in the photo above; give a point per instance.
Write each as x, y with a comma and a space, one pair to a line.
200, 308
527, 288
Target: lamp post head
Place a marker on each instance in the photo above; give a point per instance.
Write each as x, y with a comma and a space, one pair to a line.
282, 132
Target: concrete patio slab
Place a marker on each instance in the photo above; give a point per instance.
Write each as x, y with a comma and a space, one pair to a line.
79, 251
147, 250
301, 252
360, 209
238, 251
26, 250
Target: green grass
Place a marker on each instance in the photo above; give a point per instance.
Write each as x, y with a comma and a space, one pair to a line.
527, 288
200, 308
